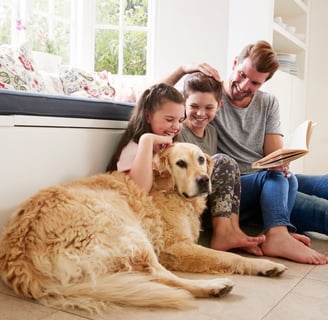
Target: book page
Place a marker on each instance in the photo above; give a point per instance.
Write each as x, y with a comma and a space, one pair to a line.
295, 148
300, 138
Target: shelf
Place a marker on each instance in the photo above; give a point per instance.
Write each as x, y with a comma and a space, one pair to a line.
290, 8
285, 41
290, 24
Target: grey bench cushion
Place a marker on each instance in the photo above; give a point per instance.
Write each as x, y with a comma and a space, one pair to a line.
47, 105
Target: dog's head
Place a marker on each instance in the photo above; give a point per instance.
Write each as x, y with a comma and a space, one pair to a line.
183, 166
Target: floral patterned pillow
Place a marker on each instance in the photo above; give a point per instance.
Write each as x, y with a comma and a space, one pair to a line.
6, 86
17, 70
52, 83
78, 82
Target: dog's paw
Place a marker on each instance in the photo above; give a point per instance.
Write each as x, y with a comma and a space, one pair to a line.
270, 269
220, 287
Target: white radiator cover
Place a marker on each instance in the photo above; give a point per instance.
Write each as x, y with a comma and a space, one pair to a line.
37, 152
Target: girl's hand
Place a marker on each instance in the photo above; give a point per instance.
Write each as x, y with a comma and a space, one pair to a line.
158, 142
162, 142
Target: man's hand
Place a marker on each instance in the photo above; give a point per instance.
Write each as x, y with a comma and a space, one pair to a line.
284, 168
202, 67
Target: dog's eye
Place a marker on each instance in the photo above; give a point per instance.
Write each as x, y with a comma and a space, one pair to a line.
182, 164
201, 160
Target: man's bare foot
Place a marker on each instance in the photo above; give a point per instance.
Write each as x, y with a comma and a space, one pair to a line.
280, 243
226, 236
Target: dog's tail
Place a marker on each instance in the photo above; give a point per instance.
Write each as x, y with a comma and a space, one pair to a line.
114, 291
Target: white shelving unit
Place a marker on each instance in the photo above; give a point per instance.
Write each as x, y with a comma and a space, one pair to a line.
290, 30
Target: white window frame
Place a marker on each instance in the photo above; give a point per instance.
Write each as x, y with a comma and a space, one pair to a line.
82, 35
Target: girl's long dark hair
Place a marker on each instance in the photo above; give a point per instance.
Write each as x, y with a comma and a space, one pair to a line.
150, 100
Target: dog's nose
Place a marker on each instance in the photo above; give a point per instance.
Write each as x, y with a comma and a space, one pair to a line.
203, 183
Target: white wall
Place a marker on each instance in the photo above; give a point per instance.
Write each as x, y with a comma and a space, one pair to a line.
206, 31
317, 108
189, 31
249, 21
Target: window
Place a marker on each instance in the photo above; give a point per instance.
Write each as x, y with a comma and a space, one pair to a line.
48, 27
5, 22
98, 35
121, 36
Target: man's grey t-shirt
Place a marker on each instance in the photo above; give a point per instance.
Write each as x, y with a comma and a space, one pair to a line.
241, 131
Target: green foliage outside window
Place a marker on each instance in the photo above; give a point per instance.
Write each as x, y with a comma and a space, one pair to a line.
50, 36
106, 51
5, 24
41, 39
108, 12
121, 28
132, 23
136, 12
135, 53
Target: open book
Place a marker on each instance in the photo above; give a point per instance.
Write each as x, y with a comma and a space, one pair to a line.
297, 147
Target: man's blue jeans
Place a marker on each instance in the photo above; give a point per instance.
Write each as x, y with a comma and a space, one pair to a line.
310, 212
270, 193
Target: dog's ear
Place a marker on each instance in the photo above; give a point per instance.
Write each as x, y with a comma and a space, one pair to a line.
209, 163
162, 174
161, 162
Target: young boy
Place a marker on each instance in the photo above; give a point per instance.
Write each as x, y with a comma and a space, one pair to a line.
203, 96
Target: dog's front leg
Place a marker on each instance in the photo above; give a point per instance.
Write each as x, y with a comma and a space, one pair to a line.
189, 257
200, 288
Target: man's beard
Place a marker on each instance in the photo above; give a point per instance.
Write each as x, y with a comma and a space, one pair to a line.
236, 94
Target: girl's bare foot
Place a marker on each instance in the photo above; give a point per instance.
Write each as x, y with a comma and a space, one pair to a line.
256, 251
237, 241
280, 243
300, 237
226, 236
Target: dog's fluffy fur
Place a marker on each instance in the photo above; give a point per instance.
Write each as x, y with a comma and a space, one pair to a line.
101, 242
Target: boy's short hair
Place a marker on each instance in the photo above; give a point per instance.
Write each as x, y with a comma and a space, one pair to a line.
198, 81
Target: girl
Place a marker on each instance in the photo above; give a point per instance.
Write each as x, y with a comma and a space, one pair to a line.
156, 120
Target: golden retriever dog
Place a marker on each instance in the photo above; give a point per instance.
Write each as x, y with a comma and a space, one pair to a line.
102, 242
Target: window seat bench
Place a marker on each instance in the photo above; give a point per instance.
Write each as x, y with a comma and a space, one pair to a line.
48, 139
